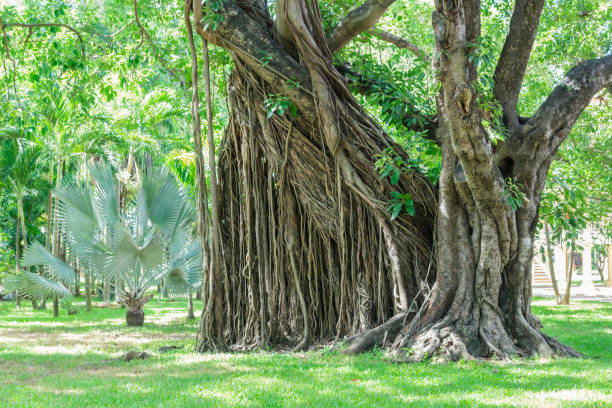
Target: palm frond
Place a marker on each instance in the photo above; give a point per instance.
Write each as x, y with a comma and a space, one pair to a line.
76, 212
34, 286
37, 255
126, 255
152, 254
106, 200
160, 199
184, 273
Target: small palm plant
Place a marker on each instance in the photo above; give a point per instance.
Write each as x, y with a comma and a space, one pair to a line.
52, 281
146, 242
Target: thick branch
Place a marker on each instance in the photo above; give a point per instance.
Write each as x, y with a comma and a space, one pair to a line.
357, 21
514, 57
253, 44
399, 42
554, 119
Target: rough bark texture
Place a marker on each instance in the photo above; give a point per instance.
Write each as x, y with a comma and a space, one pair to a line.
134, 315
480, 305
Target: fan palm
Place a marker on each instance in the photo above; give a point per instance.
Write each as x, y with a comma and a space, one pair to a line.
51, 283
147, 241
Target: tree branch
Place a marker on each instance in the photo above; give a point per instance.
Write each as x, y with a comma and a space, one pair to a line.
250, 41
514, 57
145, 35
399, 42
357, 21
554, 119
37, 25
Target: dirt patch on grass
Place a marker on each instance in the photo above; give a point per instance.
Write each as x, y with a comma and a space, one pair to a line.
50, 342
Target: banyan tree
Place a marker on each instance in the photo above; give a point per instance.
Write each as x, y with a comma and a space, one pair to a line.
303, 248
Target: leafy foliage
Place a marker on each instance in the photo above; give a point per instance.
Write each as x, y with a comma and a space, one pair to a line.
280, 105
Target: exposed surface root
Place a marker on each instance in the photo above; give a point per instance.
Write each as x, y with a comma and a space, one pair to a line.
449, 343
378, 336
440, 344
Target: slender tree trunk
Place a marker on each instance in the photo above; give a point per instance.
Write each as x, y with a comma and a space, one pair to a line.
88, 291
119, 286
17, 255
601, 262
190, 315
49, 231
55, 224
551, 267
77, 278
568, 277
22, 219
106, 292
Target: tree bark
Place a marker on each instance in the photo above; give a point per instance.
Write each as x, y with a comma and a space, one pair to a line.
480, 304
106, 292
17, 256
190, 315
568, 276
309, 249
134, 315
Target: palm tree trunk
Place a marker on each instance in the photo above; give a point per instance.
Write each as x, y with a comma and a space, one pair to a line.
22, 218
118, 290
134, 315
77, 278
106, 292
56, 237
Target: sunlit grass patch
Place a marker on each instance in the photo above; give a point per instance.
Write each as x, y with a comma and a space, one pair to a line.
72, 362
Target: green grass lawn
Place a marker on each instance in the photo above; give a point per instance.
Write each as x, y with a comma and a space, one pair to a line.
71, 362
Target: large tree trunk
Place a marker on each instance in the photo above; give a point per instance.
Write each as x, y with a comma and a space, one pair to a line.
309, 250
480, 305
